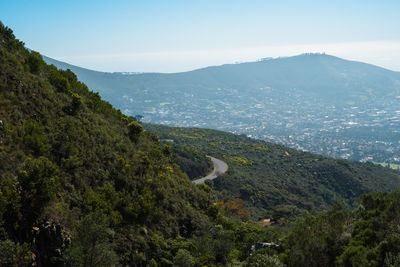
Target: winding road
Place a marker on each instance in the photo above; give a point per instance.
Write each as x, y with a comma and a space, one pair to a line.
220, 167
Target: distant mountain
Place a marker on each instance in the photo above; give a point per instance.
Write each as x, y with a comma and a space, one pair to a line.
323, 75
313, 102
81, 184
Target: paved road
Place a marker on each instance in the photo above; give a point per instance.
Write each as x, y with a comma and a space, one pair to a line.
220, 167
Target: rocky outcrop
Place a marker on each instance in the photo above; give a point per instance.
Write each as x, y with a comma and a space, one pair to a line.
49, 242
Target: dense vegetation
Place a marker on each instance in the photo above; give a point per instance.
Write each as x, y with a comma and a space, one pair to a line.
368, 236
278, 182
191, 161
83, 185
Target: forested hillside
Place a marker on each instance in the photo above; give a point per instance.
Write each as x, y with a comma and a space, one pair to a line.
81, 184
367, 236
275, 181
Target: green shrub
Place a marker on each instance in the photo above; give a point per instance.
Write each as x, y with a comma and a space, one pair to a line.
35, 62
75, 104
58, 80
183, 259
39, 183
14, 254
9, 41
92, 243
35, 138
134, 131
10, 203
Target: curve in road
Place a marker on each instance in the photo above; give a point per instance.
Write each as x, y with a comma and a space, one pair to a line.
220, 167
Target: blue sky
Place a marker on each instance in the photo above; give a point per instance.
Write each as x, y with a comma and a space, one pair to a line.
175, 35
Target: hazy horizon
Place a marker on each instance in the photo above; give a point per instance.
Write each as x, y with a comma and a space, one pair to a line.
158, 62
155, 36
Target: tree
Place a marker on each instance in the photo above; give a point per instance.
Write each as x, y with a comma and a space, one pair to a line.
10, 203
135, 129
318, 240
57, 80
183, 259
35, 138
92, 243
39, 182
35, 62
76, 103
14, 254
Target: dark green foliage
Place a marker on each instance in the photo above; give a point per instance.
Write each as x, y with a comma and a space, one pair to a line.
105, 201
392, 260
35, 62
34, 137
76, 103
66, 154
58, 80
92, 244
10, 203
191, 161
135, 129
223, 245
111, 195
8, 39
274, 181
368, 236
14, 254
39, 183
183, 259
317, 241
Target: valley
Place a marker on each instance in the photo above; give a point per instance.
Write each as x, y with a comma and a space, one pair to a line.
274, 181
312, 102
83, 184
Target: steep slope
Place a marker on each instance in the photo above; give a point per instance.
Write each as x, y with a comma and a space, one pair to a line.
275, 181
74, 168
81, 184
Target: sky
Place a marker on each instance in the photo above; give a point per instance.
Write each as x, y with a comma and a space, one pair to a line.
175, 35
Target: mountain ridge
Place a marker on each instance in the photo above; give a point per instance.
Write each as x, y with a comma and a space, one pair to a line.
82, 184
305, 71
51, 60
313, 102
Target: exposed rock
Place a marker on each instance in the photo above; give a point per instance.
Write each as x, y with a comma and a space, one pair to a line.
259, 245
49, 241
